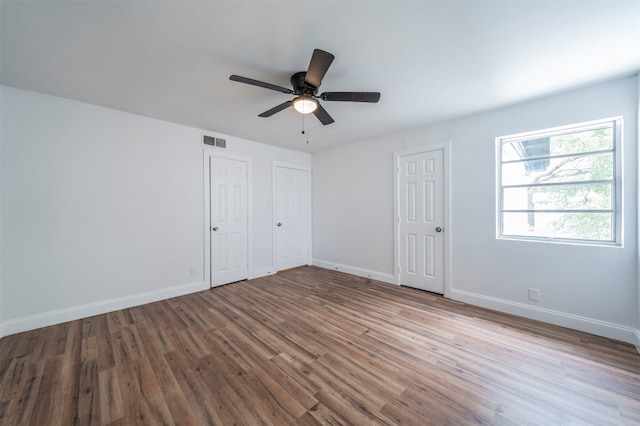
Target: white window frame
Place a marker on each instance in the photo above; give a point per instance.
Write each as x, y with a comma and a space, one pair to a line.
617, 181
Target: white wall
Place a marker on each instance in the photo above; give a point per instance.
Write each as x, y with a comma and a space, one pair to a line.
583, 287
638, 201
1, 211
103, 209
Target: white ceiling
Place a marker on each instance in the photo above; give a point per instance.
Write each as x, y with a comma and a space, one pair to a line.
431, 61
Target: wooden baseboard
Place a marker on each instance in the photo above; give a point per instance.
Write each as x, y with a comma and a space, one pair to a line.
563, 319
31, 322
353, 270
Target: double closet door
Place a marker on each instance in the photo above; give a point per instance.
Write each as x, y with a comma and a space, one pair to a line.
229, 218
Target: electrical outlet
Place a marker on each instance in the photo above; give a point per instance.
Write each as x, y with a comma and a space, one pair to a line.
534, 294
193, 269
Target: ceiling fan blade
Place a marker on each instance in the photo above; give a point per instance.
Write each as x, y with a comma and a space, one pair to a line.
351, 96
320, 61
275, 109
323, 115
259, 83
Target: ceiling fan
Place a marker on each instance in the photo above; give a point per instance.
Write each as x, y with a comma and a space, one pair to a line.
305, 86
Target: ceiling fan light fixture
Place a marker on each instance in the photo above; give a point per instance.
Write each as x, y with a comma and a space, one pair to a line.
305, 104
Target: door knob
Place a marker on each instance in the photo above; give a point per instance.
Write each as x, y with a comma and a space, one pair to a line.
279, 224
438, 229
215, 228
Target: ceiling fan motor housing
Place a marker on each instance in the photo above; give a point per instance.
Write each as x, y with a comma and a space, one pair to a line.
300, 87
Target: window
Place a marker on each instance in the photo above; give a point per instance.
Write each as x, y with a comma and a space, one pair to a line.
561, 184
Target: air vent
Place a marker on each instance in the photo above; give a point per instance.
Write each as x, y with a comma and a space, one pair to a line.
213, 141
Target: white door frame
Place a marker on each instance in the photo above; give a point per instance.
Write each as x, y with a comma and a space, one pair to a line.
207, 154
446, 148
274, 228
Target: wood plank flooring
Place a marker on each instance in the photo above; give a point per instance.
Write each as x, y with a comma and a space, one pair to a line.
312, 346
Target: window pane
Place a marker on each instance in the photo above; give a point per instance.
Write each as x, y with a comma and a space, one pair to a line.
582, 141
591, 140
561, 183
531, 148
564, 169
595, 196
574, 226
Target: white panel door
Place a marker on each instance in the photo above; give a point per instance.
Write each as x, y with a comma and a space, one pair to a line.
421, 210
229, 220
292, 217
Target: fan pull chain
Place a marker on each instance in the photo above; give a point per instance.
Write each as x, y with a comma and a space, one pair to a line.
303, 131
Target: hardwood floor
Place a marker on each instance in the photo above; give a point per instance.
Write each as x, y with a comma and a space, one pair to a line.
312, 346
